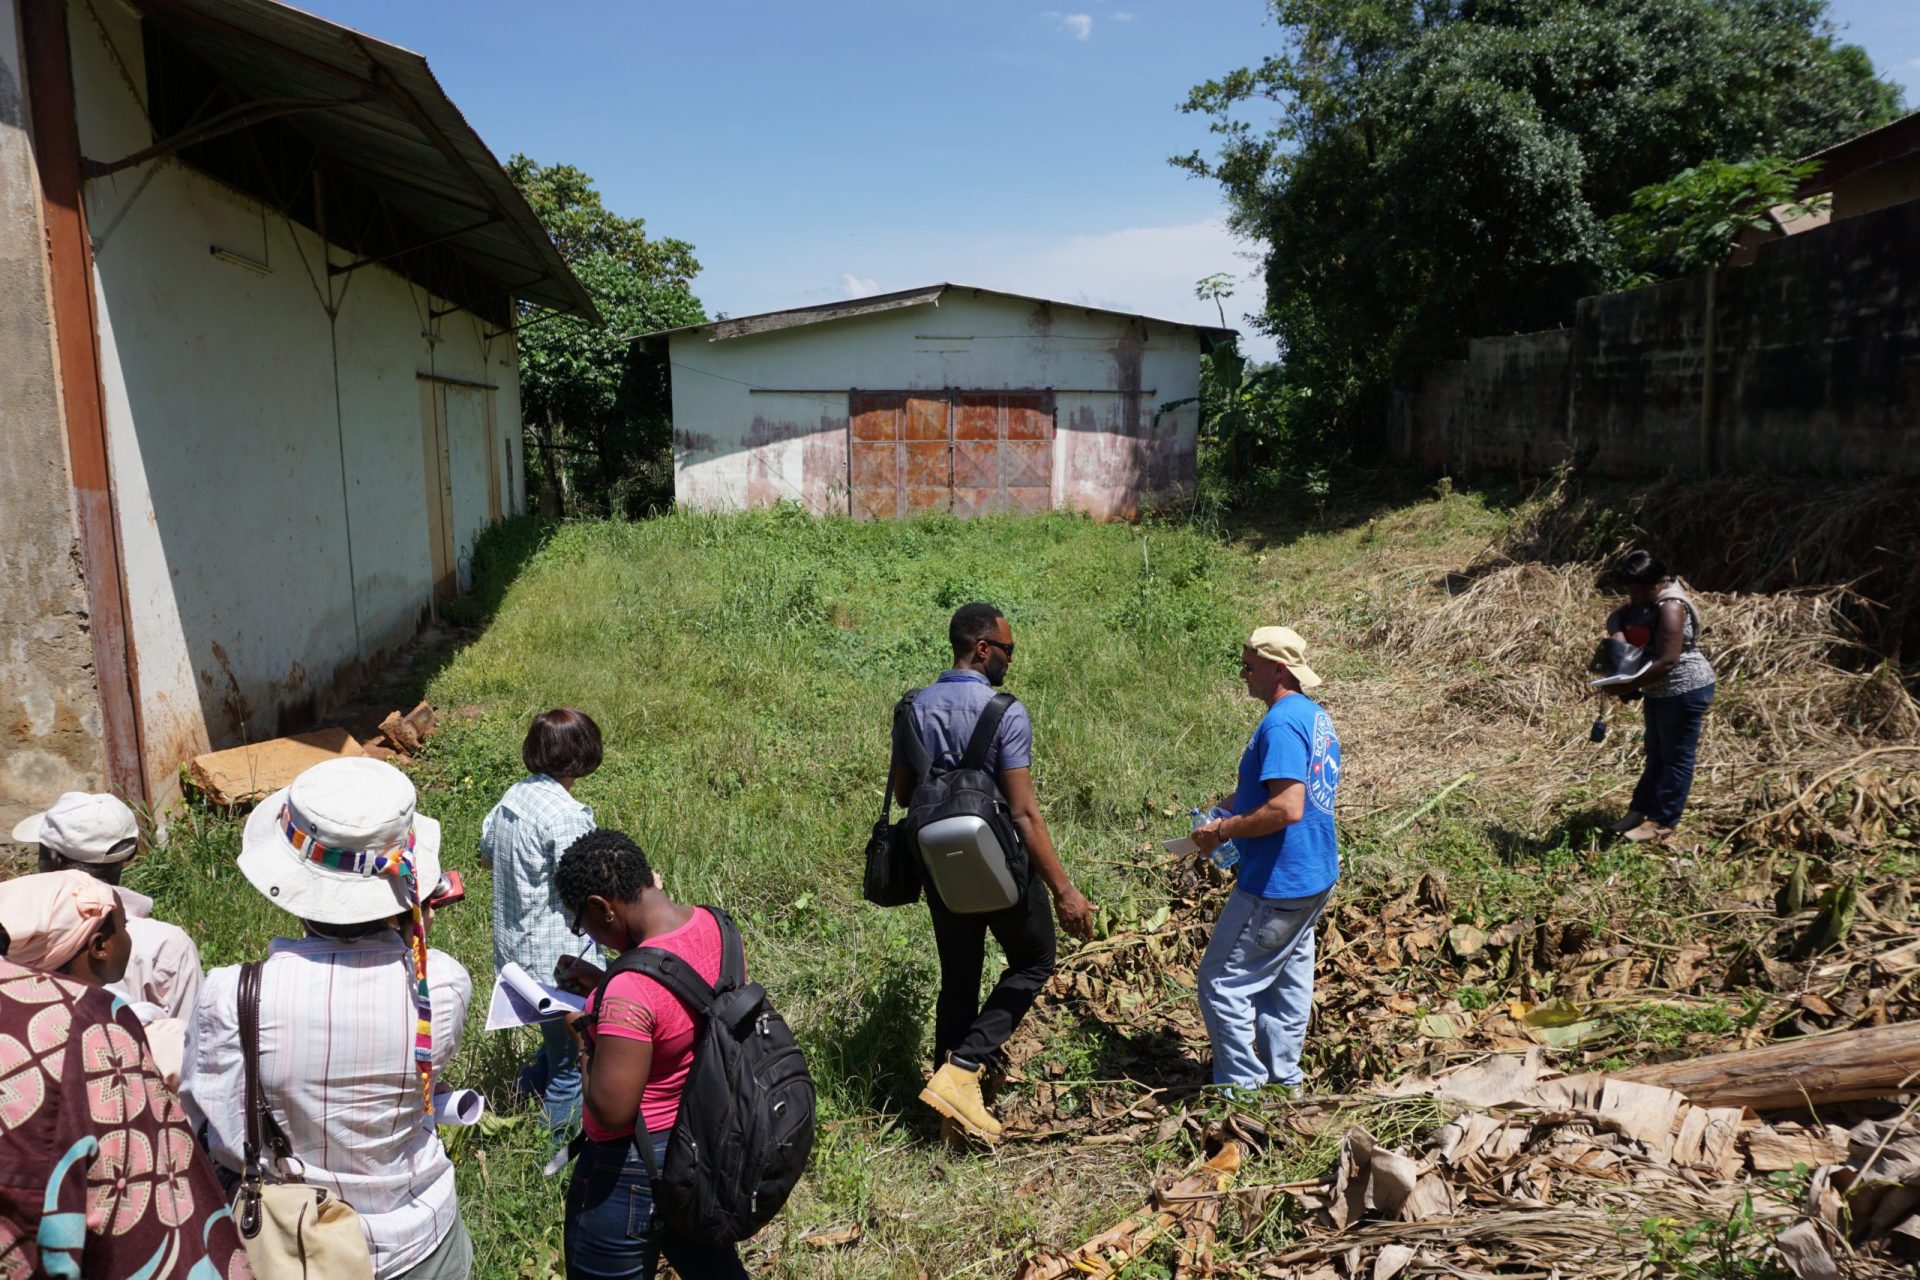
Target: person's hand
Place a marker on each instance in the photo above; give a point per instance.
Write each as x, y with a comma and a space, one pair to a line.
578, 975
1209, 835
578, 1027
1075, 913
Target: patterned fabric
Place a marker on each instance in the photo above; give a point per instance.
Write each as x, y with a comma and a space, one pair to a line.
638, 1008
523, 838
99, 1174
1692, 671
336, 1033
397, 862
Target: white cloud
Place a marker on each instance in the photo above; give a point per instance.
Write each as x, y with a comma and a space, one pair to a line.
1150, 270
1122, 16
1077, 25
853, 286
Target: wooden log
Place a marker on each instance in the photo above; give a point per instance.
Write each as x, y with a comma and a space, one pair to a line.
1843, 1067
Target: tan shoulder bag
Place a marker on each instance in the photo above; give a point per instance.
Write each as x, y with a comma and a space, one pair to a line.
292, 1231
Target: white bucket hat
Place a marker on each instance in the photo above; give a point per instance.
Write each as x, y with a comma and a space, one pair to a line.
332, 847
83, 826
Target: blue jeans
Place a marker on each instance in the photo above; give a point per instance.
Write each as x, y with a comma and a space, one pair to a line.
554, 1077
1673, 739
611, 1231
1256, 987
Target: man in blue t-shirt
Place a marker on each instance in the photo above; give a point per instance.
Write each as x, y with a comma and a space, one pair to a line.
1256, 979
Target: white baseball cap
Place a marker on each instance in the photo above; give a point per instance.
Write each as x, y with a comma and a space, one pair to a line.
330, 847
83, 826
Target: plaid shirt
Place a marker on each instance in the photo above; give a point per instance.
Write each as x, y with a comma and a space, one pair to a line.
523, 838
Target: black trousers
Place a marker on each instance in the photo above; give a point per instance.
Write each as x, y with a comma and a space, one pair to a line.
963, 1028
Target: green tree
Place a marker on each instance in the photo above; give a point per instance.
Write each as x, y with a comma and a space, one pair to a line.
1690, 221
599, 420
1431, 170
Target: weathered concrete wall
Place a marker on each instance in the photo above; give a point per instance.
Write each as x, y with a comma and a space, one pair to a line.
49, 711
1815, 354
1490, 405
270, 463
764, 418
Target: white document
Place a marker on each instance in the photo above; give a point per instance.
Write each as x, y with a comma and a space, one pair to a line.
1625, 677
519, 1001
1183, 844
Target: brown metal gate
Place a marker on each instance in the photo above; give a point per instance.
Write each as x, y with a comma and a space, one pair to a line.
969, 452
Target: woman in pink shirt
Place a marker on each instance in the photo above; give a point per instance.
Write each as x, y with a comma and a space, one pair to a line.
636, 1051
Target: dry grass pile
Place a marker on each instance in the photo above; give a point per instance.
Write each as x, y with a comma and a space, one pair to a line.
1503, 648
1754, 535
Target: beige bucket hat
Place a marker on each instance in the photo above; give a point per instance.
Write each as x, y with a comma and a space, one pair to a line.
1284, 645
335, 846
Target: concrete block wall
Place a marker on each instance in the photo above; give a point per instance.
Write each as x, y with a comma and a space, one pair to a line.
1815, 353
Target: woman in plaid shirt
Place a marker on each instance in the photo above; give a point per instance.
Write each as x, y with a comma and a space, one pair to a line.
522, 840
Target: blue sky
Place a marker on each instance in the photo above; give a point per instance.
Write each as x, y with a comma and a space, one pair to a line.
818, 151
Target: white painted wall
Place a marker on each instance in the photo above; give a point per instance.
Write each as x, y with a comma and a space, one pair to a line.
269, 467
764, 418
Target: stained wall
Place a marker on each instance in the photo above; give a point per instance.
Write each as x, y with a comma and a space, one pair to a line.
764, 418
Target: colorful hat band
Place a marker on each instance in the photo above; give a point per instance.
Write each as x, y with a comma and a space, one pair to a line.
396, 861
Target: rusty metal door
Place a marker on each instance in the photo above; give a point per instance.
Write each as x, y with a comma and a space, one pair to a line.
899, 454
1002, 451
969, 452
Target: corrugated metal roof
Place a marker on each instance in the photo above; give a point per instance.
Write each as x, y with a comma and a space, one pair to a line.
403, 137
1892, 141
771, 321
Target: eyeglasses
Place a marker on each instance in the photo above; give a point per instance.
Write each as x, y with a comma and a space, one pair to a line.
578, 916
1006, 648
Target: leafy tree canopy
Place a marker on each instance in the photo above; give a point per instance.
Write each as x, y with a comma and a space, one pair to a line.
1691, 221
600, 421
1432, 170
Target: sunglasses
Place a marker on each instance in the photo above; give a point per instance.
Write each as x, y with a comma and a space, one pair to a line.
1006, 648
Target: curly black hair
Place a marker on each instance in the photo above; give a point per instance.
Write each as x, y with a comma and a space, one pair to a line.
604, 862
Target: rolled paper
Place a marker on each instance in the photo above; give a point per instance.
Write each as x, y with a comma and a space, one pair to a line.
458, 1106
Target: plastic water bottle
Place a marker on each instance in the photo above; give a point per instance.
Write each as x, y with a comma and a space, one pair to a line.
1226, 856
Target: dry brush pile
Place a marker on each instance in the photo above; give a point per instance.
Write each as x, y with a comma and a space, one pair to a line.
1791, 917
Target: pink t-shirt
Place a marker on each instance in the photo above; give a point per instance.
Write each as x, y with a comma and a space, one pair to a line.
638, 1008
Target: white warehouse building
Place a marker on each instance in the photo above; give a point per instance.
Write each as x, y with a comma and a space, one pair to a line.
258, 279
945, 398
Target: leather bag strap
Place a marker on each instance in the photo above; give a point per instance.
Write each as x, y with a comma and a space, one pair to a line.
249, 1009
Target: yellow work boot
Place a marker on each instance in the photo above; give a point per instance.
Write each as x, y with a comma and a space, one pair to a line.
954, 1092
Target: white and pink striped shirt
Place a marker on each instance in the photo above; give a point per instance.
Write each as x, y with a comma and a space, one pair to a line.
336, 1062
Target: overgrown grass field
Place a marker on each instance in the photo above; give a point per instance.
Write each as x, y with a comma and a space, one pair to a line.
742, 669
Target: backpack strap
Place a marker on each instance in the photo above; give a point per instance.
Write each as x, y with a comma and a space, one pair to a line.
984, 730
906, 745
686, 984
1685, 601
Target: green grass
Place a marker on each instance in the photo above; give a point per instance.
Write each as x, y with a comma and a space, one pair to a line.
742, 669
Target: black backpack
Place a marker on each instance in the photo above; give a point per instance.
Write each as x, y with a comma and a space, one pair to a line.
965, 790
745, 1127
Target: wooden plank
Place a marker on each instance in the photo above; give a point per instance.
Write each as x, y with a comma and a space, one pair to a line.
1843, 1067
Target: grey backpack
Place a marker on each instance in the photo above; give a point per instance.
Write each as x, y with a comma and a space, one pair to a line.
957, 818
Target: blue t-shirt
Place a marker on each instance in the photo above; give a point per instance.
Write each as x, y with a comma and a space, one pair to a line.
1295, 741
946, 711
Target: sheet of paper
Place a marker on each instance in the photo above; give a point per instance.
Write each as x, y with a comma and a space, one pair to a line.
519, 1001
1625, 677
1183, 844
